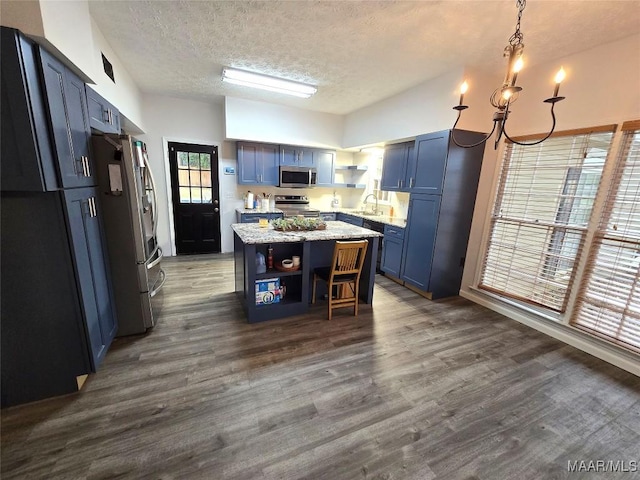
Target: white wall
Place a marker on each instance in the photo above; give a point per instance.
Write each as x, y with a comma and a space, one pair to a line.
25, 16
427, 107
601, 88
124, 93
172, 119
267, 122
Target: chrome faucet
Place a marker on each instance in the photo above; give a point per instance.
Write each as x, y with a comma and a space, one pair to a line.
375, 212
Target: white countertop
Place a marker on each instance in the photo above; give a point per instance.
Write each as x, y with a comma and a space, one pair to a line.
253, 233
386, 219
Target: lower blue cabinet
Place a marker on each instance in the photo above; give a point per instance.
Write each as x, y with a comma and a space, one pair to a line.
353, 220
419, 240
392, 245
255, 217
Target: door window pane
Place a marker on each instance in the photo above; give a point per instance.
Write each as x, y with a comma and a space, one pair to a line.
185, 196
206, 195
183, 160
195, 178
194, 160
206, 178
205, 161
196, 195
183, 178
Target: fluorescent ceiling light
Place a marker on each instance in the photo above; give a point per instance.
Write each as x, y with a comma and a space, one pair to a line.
265, 82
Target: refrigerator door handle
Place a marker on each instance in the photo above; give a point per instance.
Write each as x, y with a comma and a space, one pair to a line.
154, 212
162, 277
157, 260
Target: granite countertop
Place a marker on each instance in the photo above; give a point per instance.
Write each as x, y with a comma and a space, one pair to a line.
386, 219
257, 210
252, 233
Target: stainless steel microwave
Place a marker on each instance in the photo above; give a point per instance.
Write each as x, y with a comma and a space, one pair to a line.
297, 177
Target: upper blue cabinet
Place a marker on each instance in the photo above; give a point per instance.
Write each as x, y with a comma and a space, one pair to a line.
103, 116
258, 163
421, 166
45, 121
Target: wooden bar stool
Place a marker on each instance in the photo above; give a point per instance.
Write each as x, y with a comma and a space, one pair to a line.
345, 269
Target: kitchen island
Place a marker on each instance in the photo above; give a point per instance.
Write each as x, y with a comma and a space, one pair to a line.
280, 293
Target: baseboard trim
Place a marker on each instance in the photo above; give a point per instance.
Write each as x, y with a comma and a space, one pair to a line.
598, 348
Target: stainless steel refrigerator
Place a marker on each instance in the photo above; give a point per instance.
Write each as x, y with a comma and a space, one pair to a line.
129, 205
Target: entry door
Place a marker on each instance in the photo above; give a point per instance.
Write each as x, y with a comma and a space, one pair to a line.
196, 205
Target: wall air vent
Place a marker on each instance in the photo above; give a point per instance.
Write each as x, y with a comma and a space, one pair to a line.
108, 68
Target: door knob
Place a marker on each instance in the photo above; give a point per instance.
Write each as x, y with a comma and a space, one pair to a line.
215, 202
216, 209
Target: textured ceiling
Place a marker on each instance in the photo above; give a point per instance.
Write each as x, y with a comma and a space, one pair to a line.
356, 52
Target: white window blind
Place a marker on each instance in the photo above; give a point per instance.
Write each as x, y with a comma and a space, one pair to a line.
609, 301
541, 212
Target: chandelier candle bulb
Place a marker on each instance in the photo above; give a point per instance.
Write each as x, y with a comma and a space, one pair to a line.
516, 68
559, 78
463, 89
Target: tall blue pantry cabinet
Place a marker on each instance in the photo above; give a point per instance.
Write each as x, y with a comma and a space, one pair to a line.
56, 300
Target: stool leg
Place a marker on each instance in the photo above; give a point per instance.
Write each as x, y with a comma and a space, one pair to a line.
357, 294
329, 302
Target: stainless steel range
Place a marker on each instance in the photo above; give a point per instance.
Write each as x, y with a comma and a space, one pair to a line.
293, 205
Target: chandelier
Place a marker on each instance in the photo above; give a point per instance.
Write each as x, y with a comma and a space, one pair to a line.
505, 95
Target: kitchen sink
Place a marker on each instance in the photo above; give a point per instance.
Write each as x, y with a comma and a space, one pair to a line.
367, 213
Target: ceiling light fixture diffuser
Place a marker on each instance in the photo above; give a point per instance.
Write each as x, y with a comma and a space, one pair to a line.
265, 82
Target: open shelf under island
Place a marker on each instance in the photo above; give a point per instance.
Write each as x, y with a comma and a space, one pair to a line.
282, 294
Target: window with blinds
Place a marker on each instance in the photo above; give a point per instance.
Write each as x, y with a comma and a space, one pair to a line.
609, 300
543, 204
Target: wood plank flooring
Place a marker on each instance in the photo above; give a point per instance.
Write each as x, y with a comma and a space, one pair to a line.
409, 389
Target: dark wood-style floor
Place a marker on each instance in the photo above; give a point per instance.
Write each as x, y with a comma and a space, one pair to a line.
409, 389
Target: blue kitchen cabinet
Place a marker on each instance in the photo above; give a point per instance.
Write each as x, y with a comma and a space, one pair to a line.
257, 163
103, 116
90, 259
394, 166
255, 217
324, 163
66, 99
290, 155
45, 121
58, 316
419, 240
426, 167
352, 219
328, 216
392, 243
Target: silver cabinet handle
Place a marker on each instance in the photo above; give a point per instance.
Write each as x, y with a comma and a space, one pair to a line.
398, 183
411, 181
110, 116
91, 203
88, 174
105, 113
84, 167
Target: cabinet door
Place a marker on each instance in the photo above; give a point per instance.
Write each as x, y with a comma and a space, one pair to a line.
419, 240
307, 157
270, 173
323, 162
103, 116
289, 155
327, 216
249, 163
85, 228
391, 256
353, 220
394, 165
427, 174
67, 104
